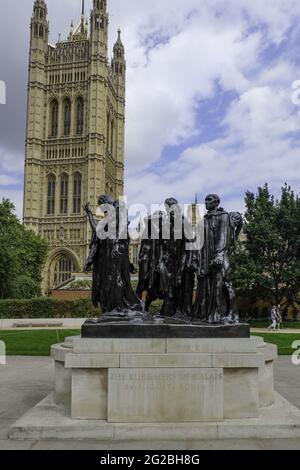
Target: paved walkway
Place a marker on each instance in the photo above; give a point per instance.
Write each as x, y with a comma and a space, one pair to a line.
24, 381
289, 331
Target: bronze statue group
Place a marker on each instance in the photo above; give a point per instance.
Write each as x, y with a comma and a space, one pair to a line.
173, 260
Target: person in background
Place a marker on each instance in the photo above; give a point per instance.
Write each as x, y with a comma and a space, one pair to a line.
273, 318
279, 317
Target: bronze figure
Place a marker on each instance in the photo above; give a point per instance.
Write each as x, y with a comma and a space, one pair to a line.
109, 258
215, 299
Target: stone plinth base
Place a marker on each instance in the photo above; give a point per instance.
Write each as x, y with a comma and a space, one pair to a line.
49, 421
164, 380
155, 389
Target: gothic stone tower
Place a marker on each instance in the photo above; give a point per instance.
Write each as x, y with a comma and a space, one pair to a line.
75, 134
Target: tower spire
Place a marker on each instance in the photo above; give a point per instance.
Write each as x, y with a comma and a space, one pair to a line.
82, 18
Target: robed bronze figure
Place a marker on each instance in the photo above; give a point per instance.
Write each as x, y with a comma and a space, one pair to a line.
109, 259
215, 299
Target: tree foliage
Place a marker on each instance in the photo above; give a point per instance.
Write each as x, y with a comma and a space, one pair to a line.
267, 262
22, 255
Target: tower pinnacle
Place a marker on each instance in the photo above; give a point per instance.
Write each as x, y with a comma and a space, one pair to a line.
119, 51
39, 24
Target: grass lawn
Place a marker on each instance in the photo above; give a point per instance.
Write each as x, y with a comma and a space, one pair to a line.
283, 341
39, 342
33, 342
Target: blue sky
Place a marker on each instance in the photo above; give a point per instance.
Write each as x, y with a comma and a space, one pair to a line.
209, 95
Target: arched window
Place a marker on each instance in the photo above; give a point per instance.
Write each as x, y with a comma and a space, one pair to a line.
63, 271
67, 117
51, 195
99, 22
36, 30
112, 136
77, 194
54, 118
80, 116
64, 188
41, 32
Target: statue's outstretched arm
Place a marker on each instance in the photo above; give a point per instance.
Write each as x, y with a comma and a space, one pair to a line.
88, 211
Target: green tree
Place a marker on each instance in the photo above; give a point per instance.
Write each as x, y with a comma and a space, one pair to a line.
267, 262
22, 255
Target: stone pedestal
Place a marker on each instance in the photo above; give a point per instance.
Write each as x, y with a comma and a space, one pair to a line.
147, 391
164, 380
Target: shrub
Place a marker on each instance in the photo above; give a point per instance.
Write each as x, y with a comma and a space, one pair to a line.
47, 307
80, 285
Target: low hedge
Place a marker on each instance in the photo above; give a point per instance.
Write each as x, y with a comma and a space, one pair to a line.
47, 307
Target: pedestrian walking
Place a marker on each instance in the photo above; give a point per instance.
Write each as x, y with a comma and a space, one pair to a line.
279, 317
273, 318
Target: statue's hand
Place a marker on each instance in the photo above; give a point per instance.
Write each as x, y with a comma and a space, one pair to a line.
159, 267
132, 269
87, 208
88, 267
217, 263
115, 254
237, 219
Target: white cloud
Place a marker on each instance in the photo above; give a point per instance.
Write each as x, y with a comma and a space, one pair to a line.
258, 145
221, 42
262, 114
6, 180
257, 149
11, 161
161, 94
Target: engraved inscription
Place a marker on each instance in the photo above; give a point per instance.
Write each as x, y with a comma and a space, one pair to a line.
189, 381
165, 395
